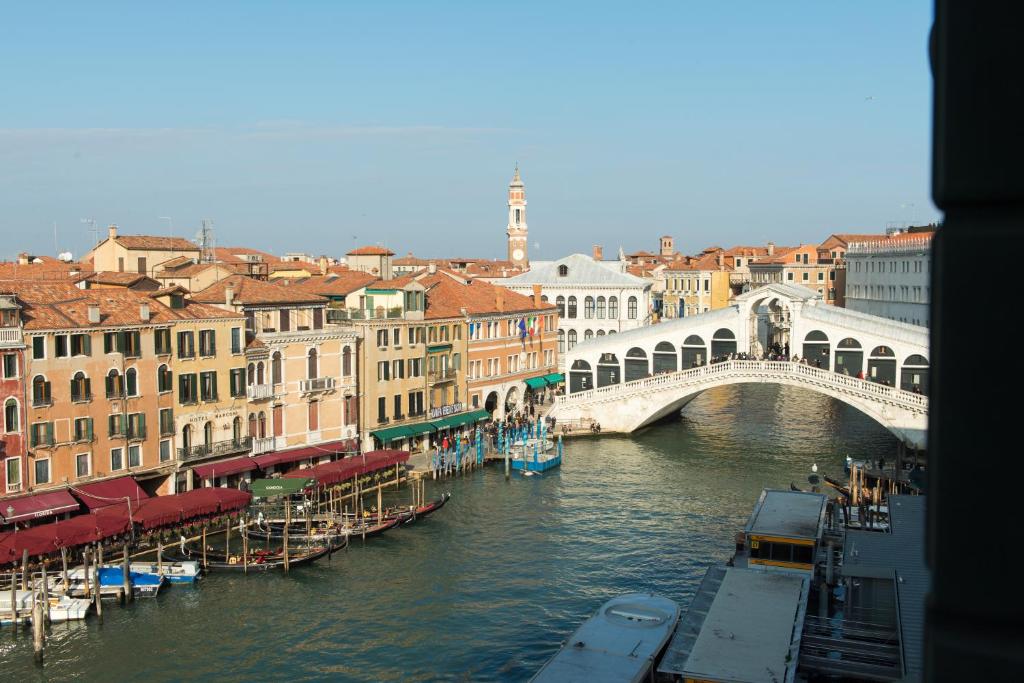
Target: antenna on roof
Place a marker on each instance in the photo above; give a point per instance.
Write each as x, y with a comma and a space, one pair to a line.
170, 225
92, 228
205, 239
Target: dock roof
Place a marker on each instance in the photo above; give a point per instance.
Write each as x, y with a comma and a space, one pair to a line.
789, 514
743, 625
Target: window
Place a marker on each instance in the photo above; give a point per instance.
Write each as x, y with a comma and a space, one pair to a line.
13, 471
312, 366
275, 368
318, 318
588, 307
561, 341
588, 334
42, 468
165, 450
162, 342
382, 338
398, 369
41, 434
398, 407
396, 337
164, 379
563, 270
572, 307
38, 348
135, 455
114, 384
207, 343
80, 389
40, 391
613, 307
11, 416
236, 340
789, 276
600, 307
82, 465
187, 389
346, 359
415, 367
83, 429
237, 382
286, 321
10, 366
208, 386
81, 345
383, 371
631, 308
131, 382
572, 339
116, 426
116, 459
821, 276
132, 344
186, 345
382, 408
60, 343
166, 421
560, 304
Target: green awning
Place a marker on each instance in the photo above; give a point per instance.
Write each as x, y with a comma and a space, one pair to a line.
266, 488
461, 419
419, 428
389, 434
535, 382
554, 378
437, 348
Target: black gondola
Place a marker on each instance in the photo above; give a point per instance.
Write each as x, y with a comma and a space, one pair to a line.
274, 531
410, 514
257, 560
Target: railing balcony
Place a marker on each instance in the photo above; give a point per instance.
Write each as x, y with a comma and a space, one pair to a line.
263, 445
336, 315
216, 448
10, 337
437, 376
14, 488
308, 386
256, 392
313, 437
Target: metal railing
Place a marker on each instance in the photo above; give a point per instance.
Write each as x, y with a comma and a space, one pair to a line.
256, 392
761, 369
335, 315
318, 384
263, 445
216, 448
10, 336
442, 375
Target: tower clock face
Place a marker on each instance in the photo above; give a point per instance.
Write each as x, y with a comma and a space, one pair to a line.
517, 254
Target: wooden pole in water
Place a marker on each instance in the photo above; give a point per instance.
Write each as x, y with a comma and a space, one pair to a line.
204, 545
86, 556
160, 556
97, 597
14, 599
46, 592
227, 538
380, 503
38, 629
24, 570
287, 523
64, 570
245, 551
126, 577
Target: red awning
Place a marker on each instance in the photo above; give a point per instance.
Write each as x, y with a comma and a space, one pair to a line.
40, 505
109, 492
68, 533
226, 468
173, 509
278, 457
346, 468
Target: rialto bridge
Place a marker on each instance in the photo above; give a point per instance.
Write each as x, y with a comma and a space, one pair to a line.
628, 380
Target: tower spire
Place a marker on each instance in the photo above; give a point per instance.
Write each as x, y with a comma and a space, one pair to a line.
516, 229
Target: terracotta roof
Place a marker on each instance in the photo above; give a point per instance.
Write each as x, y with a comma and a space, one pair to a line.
707, 262
340, 283
155, 243
234, 251
176, 262
284, 266
109, 277
448, 295
196, 268
47, 270
411, 260
61, 306
249, 291
371, 251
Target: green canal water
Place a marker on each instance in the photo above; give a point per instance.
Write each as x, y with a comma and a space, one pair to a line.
488, 587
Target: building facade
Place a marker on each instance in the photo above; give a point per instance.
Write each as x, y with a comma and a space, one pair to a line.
12, 396
697, 286
139, 253
891, 277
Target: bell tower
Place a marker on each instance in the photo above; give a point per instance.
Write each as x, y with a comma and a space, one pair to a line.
516, 230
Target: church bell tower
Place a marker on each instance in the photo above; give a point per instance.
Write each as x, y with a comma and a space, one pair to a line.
516, 231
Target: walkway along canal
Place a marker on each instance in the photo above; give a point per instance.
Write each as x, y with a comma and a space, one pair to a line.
486, 588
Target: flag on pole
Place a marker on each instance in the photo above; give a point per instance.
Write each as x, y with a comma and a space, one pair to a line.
522, 328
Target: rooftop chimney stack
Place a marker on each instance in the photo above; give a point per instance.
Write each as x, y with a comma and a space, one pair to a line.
23, 258
536, 296
229, 296
771, 248
144, 312
432, 268
598, 252
111, 231
323, 265
94, 314
721, 260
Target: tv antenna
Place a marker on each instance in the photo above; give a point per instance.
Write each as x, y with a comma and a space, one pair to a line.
92, 228
205, 239
170, 225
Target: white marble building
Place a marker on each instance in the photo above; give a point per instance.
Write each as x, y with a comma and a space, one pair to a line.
891, 277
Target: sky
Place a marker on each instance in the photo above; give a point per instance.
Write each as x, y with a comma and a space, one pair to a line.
319, 126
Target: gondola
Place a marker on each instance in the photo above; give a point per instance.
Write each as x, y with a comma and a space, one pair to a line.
258, 560
337, 536
410, 514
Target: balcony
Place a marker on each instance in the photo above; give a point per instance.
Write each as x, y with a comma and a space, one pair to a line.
309, 386
257, 392
216, 448
14, 488
438, 376
10, 338
264, 445
338, 315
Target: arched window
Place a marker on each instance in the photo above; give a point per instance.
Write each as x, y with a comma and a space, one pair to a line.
600, 333
544, 298
311, 365
563, 270
80, 390
236, 430
186, 439
588, 307
695, 352
561, 341
208, 434
259, 373
631, 308
263, 425
600, 308
252, 425
580, 376
275, 368
572, 339
914, 374
636, 364
572, 307
665, 358
114, 384
11, 416
251, 372
164, 378
613, 307
588, 334
40, 391
131, 382
346, 361
560, 304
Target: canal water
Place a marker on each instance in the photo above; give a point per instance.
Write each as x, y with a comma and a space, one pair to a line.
488, 587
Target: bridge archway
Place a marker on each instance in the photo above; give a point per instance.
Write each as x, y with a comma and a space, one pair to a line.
665, 358
849, 357
914, 374
723, 342
580, 376
491, 404
817, 349
770, 320
694, 352
608, 371
882, 366
637, 366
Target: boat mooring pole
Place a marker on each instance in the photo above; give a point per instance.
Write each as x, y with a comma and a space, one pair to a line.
38, 629
287, 523
24, 570
14, 599
64, 570
46, 593
204, 546
126, 577
160, 556
96, 582
245, 550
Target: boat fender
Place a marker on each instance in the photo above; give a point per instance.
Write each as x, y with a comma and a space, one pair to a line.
233, 559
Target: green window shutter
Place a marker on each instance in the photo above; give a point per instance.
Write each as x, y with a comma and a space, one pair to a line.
119, 342
88, 428
87, 344
49, 432
181, 388
106, 343
142, 426
112, 425
88, 386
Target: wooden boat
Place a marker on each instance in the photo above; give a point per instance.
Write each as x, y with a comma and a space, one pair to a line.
337, 535
62, 608
144, 584
258, 560
410, 514
173, 572
620, 643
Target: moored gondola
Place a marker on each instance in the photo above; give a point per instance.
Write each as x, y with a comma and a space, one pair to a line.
255, 560
410, 514
337, 535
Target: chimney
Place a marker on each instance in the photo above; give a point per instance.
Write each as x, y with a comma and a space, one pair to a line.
23, 258
721, 260
229, 296
111, 231
432, 268
771, 248
94, 314
598, 253
144, 312
323, 265
536, 295
499, 299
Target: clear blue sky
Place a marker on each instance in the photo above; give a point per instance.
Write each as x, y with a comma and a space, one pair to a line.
312, 126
